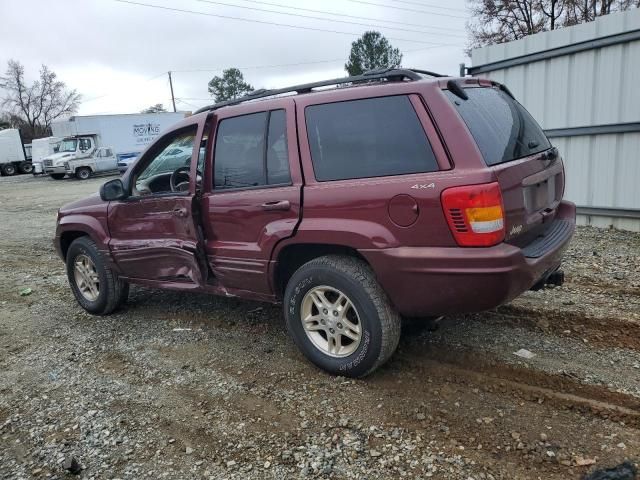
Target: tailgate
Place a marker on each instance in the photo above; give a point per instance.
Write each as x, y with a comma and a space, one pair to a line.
532, 189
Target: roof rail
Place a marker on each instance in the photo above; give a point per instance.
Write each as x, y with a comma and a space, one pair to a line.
388, 74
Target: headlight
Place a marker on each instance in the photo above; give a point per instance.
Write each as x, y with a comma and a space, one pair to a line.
60, 164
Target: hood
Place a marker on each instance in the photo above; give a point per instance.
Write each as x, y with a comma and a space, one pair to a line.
92, 203
59, 156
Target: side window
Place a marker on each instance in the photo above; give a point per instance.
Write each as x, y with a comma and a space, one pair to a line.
108, 153
251, 151
277, 153
85, 144
175, 152
374, 137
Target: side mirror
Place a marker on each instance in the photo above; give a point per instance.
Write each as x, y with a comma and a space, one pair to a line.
113, 190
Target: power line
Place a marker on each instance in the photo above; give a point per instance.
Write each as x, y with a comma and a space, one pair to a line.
348, 16
263, 22
406, 9
297, 64
429, 5
255, 9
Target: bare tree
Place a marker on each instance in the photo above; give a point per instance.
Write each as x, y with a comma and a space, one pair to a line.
499, 21
552, 9
38, 104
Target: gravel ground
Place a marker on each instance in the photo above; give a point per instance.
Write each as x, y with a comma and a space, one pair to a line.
188, 386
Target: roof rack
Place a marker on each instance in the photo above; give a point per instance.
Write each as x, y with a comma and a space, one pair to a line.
388, 74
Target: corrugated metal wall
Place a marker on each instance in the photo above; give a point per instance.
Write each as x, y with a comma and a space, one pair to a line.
583, 76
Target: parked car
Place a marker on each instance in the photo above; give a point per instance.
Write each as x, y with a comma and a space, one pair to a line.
404, 193
102, 160
125, 162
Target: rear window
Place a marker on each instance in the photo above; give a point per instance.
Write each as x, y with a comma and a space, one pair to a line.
501, 127
374, 137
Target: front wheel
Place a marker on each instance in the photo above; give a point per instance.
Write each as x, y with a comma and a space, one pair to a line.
339, 316
96, 287
83, 173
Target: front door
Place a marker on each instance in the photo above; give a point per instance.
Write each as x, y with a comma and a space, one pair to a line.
254, 201
105, 160
153, 233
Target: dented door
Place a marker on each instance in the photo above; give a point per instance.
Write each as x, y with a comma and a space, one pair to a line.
155, 239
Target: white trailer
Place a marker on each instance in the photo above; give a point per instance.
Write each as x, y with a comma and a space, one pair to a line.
127, 135
12, 154
41, 148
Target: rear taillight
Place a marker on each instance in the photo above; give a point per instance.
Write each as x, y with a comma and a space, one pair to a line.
475, 214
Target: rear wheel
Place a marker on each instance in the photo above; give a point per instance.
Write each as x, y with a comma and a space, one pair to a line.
83, 173
25, 167
339, 316
57, 176
96, 287
8, 169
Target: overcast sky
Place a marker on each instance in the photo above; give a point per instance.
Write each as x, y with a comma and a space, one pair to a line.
117, 53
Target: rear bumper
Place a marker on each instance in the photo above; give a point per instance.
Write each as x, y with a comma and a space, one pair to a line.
423, 281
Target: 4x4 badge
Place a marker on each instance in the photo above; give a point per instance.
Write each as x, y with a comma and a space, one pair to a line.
424, 185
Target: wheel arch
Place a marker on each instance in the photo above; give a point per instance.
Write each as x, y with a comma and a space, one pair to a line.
292, 256
75, 226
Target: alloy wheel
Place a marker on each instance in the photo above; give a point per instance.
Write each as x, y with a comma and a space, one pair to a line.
331, 321
86, 277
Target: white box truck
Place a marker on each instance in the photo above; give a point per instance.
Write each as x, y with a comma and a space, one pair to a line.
41, 148
124, 136
12, 155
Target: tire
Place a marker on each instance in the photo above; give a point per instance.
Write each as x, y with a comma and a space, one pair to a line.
379, 322
111, 291
83, 173
25, 167
57, 176
8, 169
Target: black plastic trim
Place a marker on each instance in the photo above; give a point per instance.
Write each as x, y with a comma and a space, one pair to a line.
557, 232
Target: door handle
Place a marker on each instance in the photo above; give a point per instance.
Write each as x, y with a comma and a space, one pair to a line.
277, 205
180, 212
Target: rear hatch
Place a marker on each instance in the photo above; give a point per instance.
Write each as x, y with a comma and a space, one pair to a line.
528, 169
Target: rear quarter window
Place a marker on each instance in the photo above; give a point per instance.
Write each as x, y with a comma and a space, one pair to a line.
500, 126
373, 137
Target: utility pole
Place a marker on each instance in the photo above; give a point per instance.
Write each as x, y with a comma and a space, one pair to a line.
173, 100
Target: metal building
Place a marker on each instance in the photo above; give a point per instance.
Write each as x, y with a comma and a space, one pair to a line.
582, 84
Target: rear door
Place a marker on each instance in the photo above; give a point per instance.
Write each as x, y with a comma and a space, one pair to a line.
513, 145
255, 193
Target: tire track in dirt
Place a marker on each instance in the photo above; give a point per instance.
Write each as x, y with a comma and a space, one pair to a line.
598, 331
488, 373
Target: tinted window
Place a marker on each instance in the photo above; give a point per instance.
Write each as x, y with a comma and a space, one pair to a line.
501, 127
277, 154
367, 138
239, 151
243, 159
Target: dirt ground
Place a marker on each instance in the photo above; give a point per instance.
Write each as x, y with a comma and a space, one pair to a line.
188, 386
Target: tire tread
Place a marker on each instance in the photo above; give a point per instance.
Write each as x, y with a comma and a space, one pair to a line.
362, 273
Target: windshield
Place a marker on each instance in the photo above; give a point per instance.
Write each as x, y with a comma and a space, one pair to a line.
501, 127
68, 145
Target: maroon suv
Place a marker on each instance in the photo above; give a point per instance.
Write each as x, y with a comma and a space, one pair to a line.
403, 193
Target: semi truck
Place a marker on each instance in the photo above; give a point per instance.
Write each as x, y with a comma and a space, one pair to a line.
41, 148
124, 135
13, 158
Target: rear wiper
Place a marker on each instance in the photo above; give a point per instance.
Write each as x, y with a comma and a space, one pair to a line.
550, 154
